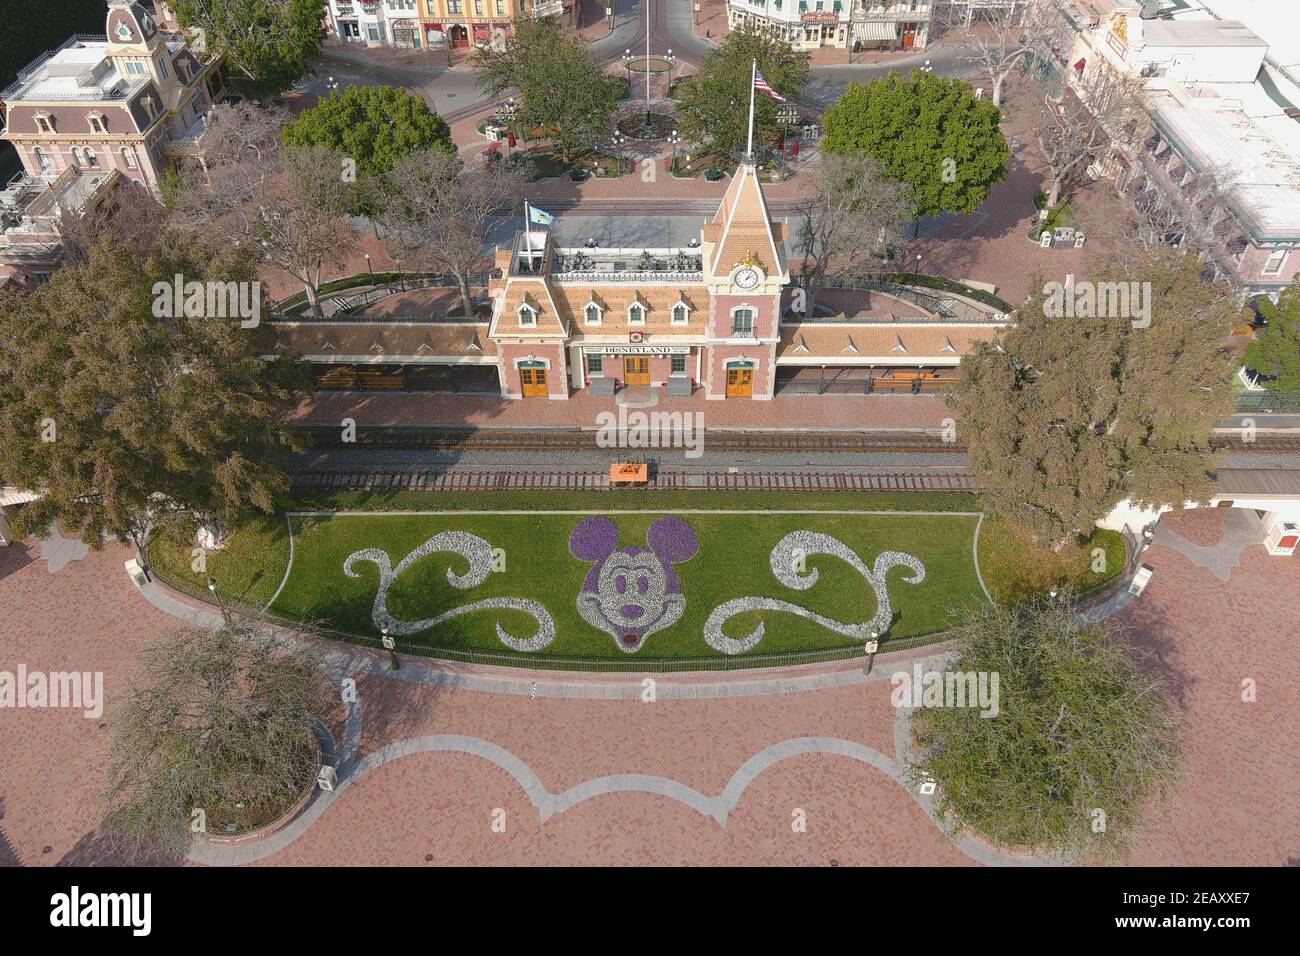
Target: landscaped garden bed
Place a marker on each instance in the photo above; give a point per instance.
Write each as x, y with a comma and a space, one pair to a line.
544, 578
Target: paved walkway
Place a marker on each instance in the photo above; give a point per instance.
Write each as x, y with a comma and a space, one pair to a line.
801, 412
819, 755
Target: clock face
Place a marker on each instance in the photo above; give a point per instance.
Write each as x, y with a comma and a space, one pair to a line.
747, 278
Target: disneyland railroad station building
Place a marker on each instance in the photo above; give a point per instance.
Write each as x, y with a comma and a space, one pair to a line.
713, 317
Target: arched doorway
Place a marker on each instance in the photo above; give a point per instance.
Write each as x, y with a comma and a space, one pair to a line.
458, 36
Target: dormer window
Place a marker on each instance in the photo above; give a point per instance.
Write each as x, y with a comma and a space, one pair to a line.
123, 32
636, 314
681, 312
593, 313
97, 123
527, 315
44, 122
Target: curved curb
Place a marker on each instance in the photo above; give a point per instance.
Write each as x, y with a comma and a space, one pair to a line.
548, 804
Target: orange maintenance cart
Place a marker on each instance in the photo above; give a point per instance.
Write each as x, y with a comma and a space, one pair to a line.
629, 474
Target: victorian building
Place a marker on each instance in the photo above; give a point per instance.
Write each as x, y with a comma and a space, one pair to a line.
1219, 117
431, 24
857, 24
716, 317
96, 111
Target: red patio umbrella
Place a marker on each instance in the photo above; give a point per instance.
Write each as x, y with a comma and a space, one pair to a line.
794, 150
511, 140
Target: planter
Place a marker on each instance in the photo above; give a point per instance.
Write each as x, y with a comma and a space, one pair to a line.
578, 175
713, 175
279, 823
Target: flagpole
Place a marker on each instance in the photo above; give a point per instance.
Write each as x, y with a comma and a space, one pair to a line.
528, 237
753, 77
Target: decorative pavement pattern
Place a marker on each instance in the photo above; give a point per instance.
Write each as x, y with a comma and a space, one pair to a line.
585, 772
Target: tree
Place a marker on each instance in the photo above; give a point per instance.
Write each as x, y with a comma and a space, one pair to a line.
372, 126
298, 223
564, 89
1116, 398
219, 728
268, 44
925, 130
1275, 352
1080, 728
1078, 129
715, 102
852, 221
1009, 35
123, 419
439, 208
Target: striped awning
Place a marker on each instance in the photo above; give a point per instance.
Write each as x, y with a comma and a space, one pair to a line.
877, 30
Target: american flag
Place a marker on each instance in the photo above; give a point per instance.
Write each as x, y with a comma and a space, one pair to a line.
761, 85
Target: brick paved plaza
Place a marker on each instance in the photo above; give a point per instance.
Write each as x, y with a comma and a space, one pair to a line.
1235, 804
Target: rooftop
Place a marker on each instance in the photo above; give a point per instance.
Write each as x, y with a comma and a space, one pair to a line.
1238, 129
80, 69
1227, 33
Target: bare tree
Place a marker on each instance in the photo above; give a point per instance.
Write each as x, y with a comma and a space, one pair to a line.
1077, 130
1008, 35
217, 728
854, 220
440, 209
242, 152
299, 225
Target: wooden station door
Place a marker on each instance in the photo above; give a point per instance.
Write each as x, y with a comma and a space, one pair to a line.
533, 380
740, 382
636, 370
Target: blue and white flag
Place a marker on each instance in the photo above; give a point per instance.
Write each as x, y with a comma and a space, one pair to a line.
539, 216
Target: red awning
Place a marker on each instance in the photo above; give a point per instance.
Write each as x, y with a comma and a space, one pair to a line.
1080, 65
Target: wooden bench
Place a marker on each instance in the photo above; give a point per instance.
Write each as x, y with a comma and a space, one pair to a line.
337, 378
892, 384
382, 381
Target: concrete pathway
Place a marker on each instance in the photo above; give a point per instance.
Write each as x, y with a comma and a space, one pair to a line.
1241, 531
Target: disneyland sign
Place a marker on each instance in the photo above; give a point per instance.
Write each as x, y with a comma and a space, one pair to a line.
660, 350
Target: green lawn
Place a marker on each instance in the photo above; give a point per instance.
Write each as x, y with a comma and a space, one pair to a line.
732, 562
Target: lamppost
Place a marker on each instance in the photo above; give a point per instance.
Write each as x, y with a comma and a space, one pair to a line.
212, 588
390, 645
673, 139
916, 276
620, 143
872, 646
369, 268
332, 85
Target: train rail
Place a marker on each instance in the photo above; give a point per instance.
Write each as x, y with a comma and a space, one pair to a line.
593, 480
555, 439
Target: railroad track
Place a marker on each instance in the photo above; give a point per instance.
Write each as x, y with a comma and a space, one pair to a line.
438, 439
549, 439
593, 480
1260, 443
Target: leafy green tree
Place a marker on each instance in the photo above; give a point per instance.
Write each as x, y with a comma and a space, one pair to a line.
124, 419
1071, 413
268, 44
1080, 727
218, 721
372, 125
1276, 350
563, 87
926, 130
715, 102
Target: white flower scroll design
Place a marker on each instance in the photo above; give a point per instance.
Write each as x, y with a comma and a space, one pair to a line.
478, 553
785, 566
